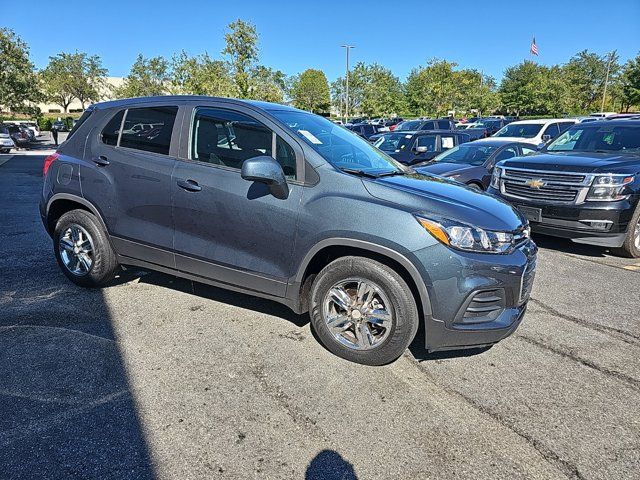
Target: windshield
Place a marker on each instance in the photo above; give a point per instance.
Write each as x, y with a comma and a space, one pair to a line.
466, 154
408, 126
489, 123
394, 142
594, 138
340, 147
520, 130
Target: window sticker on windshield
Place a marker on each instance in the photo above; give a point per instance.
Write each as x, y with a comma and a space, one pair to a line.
310, 136
408, 136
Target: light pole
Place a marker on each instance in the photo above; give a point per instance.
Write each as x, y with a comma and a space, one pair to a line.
346, 102
606, 79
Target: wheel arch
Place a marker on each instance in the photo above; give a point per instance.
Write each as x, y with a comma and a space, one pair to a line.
328, 250
62, 203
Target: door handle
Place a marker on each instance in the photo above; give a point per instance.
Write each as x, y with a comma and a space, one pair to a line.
101, 161
189, 185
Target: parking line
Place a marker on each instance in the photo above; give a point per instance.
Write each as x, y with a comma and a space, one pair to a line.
632, 267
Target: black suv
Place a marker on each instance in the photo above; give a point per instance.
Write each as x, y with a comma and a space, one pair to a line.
584, 186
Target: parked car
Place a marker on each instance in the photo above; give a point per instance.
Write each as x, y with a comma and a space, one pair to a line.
297, 210
418, 125
6, 142
535, 132
602, 114
393, 123
19, 135
584, 186
365, 130
492, 124
33, 126
472, 163
60, 126
624, 116
416, 147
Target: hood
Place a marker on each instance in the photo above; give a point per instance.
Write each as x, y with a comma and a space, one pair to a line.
582, 162
444, 168
442, 197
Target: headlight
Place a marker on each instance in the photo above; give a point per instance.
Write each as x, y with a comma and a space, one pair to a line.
495, 178
471, 239
608, 187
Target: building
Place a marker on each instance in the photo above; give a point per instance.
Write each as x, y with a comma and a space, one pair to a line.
76, 106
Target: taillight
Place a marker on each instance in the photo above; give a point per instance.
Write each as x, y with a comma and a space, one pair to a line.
47, 163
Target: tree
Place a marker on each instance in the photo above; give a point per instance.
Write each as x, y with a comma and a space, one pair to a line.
89, 78
148, 77
432, 90
383, 94
18, 81
267, 84
59, 81
585, 76
357, 83
242, 51
201, 76
310, 91
630, 84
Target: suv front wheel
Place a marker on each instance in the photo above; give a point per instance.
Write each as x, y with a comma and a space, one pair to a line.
83, 250
363, 311
631, 246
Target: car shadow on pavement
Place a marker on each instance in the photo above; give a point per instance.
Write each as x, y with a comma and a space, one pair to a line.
209, 292
329, 465
67, 409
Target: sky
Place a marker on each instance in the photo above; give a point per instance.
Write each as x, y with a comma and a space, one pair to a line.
294, 36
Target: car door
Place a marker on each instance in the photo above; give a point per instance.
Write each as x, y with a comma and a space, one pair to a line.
128, 178
226, 228
428, 142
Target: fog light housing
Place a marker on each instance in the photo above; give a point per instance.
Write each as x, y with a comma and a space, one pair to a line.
602, 225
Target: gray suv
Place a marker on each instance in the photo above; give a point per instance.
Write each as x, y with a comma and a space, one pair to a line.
283, 204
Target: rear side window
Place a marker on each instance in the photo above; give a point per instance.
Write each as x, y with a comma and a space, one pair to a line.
110, 132
444, 124
149, 129
228, 138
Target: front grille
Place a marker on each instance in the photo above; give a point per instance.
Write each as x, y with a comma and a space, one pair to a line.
545, 186
559, 194
546, 176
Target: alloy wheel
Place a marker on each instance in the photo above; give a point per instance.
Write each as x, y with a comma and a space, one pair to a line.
76, 250
358, 314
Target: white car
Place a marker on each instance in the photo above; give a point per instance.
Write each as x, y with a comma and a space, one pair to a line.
602, 114
536, 132
6, 143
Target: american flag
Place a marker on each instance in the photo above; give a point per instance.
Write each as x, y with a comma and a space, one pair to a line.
534, 47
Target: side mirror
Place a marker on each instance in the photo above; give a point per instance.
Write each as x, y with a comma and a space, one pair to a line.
422, 149
546, 138
264, 169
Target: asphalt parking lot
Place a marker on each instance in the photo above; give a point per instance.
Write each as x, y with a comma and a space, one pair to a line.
156, 377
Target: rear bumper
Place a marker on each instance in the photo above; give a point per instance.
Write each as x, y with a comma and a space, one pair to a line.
575, 222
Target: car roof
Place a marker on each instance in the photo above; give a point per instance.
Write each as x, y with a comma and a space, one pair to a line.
542, 121
622, 122
168, 99
495, 142
422, 132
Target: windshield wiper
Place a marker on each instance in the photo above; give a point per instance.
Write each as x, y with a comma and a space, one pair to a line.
361, 173
391, 174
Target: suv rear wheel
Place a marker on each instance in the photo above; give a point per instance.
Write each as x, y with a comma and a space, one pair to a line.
631, 246
363, 311
83, 250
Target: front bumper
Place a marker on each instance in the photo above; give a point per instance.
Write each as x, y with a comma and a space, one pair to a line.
459, 282
575, 221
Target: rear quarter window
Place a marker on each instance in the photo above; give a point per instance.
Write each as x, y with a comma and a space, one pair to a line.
110, 132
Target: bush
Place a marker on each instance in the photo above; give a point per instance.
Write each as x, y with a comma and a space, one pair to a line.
45, 123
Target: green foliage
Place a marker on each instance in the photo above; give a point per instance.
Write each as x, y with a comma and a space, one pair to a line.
310, 91
148, 77
18, 82
267, 84
242, 51
201, 75
630, 84
585, 75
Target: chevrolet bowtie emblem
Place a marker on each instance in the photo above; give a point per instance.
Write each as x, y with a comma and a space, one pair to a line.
535, 183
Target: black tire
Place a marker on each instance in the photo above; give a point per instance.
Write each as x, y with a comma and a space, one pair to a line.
629, 248
104, 261
475, 186
403, 307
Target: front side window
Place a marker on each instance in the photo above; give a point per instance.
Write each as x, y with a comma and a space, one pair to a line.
444, 124
508, 152
552, 130
149, 129
228, 138
429, 142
